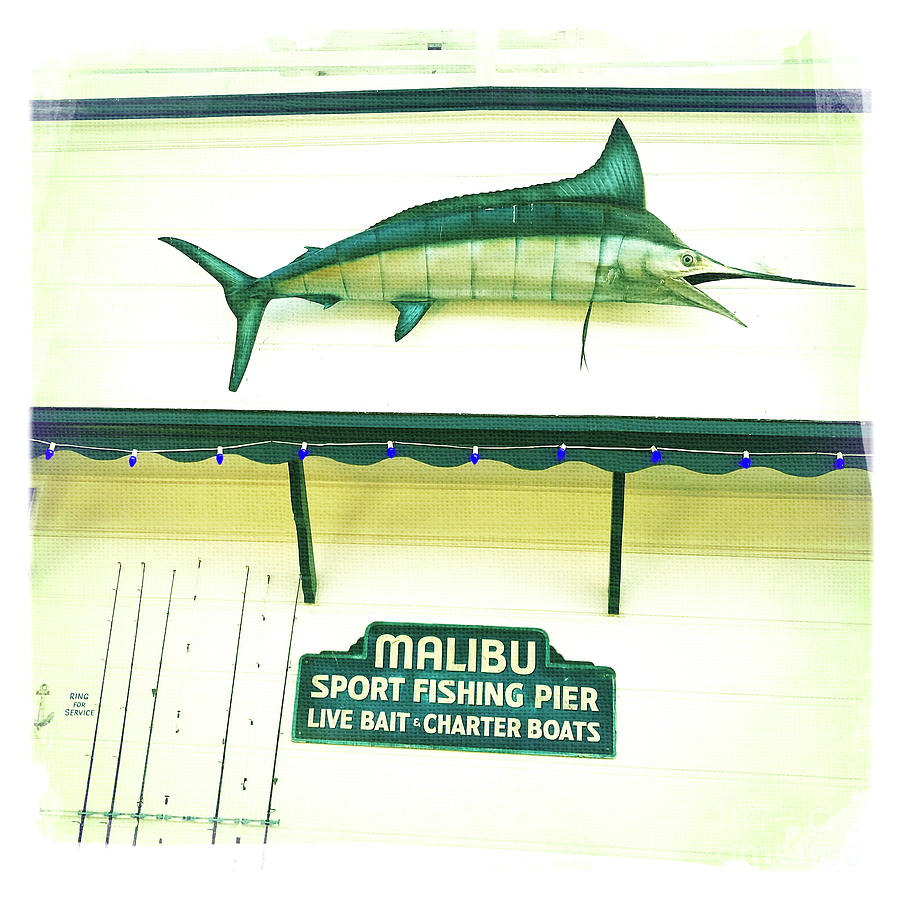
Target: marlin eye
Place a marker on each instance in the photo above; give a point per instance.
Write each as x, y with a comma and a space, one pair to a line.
687, 259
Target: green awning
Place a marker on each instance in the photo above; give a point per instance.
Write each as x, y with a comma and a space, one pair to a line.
448, 99
612, 443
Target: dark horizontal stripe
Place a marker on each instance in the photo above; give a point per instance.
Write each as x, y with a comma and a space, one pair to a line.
612, 99
162, 429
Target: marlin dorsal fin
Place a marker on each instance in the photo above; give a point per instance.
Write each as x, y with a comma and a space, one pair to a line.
616, 176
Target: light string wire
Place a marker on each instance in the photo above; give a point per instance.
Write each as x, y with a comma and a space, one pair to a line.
467, 447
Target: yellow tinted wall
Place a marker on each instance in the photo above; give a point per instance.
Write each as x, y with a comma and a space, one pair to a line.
741, 651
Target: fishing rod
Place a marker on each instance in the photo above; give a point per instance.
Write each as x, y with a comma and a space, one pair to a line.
140, 802
287, 667
230, 699
137, 623
99, 706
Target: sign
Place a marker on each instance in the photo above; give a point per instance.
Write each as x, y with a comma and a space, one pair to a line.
456, 687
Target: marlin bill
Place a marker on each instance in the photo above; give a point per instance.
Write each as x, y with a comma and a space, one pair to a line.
585, 239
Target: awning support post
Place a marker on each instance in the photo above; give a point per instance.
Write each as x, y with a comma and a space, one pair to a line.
300, 508
617, 515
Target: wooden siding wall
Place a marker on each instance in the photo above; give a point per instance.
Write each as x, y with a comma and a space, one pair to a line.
742, 647
741, 651
123, 320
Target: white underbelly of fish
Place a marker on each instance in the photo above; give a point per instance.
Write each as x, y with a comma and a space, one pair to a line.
561, 269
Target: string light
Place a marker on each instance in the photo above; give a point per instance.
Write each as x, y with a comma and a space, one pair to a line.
561, 449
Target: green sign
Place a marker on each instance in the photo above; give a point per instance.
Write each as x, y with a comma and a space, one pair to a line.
456, 687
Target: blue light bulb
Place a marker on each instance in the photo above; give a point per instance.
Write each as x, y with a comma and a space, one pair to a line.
474, 457
655, 455
561, 452
391, 452
132, 460
303, 453
839, 462
48, 453
219, 458
745, 462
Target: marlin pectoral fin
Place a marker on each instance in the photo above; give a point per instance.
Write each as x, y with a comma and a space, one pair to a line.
584, 331
411, 312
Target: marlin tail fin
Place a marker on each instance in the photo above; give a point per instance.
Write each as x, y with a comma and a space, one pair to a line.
247, 305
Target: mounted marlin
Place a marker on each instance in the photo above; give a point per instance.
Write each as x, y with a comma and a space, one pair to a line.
584, 239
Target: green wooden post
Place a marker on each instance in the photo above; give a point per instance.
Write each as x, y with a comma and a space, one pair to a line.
615, 541
300, 507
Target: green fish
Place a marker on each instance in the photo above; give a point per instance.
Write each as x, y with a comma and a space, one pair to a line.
583, 239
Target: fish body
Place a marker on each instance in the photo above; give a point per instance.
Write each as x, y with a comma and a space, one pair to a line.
563, 251
583, 239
